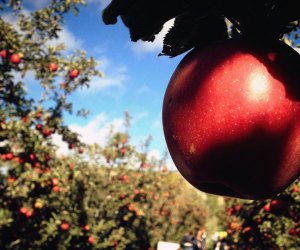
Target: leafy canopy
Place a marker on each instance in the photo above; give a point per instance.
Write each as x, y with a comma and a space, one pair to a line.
198, 22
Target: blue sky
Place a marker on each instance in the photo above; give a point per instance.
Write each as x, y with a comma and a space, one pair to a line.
135, 77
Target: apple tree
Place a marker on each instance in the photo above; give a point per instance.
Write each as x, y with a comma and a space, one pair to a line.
144, 201
223, 159
236, 90
96, 197
34, 181
267, 224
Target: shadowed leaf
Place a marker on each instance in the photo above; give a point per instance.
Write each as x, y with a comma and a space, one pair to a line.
190, 31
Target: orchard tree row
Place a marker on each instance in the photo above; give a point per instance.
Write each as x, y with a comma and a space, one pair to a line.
268, 224
112, 198
97, 197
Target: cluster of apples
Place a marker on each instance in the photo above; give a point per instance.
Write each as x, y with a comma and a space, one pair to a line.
65, 226
16, 58
48, 131
276, 206
53, 67
231, 118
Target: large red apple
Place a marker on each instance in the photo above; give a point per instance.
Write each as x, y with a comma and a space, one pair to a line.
231, 118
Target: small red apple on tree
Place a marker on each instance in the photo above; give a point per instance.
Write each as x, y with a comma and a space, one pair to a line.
56, 189
86, 228
47, 158
38, 165
55, 181
47, 132
72, 166
122, 196
38, 204
231, 118
63, 85
23, 210
15, 58
237, 207
266, 207
3, 53
131, 207
29, 213
32, 157
292, 232
39, 126
74, 73
19, 160
295, 189
91, 240
65, 226
278, 206
38, 115
11, 179
124, 178
3, 157
9, 156
53, 67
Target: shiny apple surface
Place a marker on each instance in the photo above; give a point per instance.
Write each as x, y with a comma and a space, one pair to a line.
231, 118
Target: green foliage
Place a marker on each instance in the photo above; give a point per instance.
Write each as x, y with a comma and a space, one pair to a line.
149, 202
98, 197
268, 224
200, 22
110, 197
120, 202
29, 41
191, 30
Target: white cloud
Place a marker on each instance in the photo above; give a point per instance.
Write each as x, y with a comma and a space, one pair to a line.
29, 77
9, 18
97, 130
157, 124
144, 89
64, 35
62, 147
13, 19
67, 37
103, 64
36, 5
139, 116
154, 153
141, 47
113, 81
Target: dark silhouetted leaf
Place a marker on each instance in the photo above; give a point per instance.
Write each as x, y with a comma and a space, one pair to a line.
191, 30
146, 18
202, 21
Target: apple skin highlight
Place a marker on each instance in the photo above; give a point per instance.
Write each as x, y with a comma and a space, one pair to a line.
231, 118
